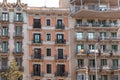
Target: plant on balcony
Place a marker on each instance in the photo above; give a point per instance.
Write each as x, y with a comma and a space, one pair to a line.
12, 72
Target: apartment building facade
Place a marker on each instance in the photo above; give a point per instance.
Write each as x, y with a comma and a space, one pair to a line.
48, 43
13, 36
95, 40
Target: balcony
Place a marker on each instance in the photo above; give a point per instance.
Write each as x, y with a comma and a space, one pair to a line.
3, 68
61, 74
96, 26
81, 67
21, 68
18, 19
115, 67
37, 75
5, 53
61, 58
18, 35
95, 12
37, 57
105, 69
18, 53
4, 20
60, 27
36, 43
37, 27
5, 36
60, 42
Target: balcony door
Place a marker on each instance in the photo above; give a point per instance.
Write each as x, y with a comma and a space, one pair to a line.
4, 31
18, 17
60, 54
59, 22
5, 16
60, 37
37, 53
4, 46
18, 46
37, 69
60, 69
18, 30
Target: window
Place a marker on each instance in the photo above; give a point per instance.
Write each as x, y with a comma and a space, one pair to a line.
80, 47
115, 63
37, 69
60, 36
80, 62
102, 23
19, 61
4, 46
114, 47
18, 46
49, 68
18, 30
79, 35
80, 77
103, 48
92, 63
37, 23
48, 50
5, 16
37, 38
79, 22
113, 23
115, 77
91, 47
37, 53
104, 77
90, 35
4, 63
113, 34
92, 77
103, 35
103, 62
48, 22
48, 37
4, 31
90, 22
60, 54
19, 17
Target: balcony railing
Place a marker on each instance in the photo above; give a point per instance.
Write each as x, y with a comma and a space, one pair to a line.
36, 42
85, 24
40, 74
21, 68
4, 68
81, 67
18, 18
61, 57
60, 26
77, 8
97, 38
61, 74
62, 41
115, 67
5, 35
40, 57
37, 26
18, 52
5, 51
18, 34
